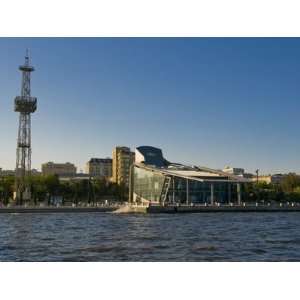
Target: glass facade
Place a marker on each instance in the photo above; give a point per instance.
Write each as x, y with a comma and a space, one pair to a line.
200, 192
151, 185
147, 184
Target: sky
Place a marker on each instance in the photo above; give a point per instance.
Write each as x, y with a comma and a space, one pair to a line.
211, 102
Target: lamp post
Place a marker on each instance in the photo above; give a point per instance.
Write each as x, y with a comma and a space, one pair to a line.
257, 175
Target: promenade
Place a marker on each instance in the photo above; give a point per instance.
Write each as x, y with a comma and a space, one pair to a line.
155, 208
60, 209
244, 207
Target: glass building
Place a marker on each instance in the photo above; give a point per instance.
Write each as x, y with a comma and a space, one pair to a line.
156, 180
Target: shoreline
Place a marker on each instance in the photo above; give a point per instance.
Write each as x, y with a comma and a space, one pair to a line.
154, 209
56, 209
222, 208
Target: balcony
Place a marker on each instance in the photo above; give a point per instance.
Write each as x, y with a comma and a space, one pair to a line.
25, 104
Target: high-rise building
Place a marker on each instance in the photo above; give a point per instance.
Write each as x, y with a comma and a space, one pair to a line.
99, 167
63, 170
123, 159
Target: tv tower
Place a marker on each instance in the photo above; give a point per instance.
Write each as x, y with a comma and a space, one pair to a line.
25, 105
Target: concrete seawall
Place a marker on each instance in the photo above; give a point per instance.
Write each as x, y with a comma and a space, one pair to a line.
56, 209
154, 209
215, 209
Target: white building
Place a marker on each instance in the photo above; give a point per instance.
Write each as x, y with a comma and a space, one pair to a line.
234, 171
60, 169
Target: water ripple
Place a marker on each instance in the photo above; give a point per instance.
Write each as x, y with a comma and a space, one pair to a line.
176, 237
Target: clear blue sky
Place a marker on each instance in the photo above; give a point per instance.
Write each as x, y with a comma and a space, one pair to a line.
212, 102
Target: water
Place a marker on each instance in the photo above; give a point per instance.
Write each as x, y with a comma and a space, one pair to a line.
161, 237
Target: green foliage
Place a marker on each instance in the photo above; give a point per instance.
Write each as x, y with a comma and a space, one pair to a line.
290, 182
43, 188
6, 188
287, 190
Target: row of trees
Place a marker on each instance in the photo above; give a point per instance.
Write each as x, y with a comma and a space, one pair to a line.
46, 188
287, 190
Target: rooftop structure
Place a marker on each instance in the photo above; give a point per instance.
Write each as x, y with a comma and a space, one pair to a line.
234, 171
150, 156
156, 180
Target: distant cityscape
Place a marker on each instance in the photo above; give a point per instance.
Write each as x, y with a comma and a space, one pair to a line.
141, 176
145, 176
116, 169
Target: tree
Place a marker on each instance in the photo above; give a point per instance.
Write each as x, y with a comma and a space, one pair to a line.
67, 191
6, 188
52, 185
38, 188
101, 187
290, 182
43, 188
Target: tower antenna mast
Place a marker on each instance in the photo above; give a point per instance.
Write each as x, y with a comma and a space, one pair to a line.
25, 105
